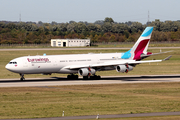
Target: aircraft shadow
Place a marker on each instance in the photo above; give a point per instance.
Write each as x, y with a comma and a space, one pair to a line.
123, 78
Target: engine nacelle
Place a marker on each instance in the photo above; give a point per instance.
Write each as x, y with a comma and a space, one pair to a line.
92, 71
130, 68
83, 72
124, 68
86, 71
121, 68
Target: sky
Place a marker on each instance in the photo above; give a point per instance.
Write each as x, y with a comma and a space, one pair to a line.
62, 11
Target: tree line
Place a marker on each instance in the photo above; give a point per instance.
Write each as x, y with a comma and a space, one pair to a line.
100, 31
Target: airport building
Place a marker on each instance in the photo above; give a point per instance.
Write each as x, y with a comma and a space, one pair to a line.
70, 42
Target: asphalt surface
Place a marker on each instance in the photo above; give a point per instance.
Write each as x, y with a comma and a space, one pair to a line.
56, 81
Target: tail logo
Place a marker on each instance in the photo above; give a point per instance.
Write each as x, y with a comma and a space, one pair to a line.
139, 50
140, 47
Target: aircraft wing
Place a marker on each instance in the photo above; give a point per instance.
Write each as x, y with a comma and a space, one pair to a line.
114, 63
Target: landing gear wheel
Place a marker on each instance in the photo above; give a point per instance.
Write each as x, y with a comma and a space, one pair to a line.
72, 77
95, 77
98, 77
22, 77
76, 77
85, 77
69, 77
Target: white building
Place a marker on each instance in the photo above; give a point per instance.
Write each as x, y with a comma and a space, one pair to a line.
70, 42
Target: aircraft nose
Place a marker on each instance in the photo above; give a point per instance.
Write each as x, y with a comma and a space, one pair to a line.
7, 67
10, 67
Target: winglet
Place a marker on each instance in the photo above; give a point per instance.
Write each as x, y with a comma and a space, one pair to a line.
167, 58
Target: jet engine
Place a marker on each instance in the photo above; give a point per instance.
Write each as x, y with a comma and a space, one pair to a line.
86, 71
124, 68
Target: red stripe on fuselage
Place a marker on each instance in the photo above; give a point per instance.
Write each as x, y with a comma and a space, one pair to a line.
140, 48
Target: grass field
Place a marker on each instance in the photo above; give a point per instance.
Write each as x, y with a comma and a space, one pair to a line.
166, 67
36, 102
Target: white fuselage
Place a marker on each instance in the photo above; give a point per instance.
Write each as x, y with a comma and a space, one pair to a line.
58, 63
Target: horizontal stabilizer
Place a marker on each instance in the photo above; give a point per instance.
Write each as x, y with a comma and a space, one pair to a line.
143, 55
167, 58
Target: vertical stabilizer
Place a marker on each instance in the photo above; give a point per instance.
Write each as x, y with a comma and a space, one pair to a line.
141, 46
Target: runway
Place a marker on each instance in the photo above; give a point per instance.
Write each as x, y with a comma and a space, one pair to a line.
56, 81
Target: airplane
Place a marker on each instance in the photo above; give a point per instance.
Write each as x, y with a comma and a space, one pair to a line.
85, 65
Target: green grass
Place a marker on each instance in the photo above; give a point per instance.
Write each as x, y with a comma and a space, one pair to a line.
78, 100
166, 67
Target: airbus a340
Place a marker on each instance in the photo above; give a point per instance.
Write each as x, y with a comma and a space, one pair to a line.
85, 65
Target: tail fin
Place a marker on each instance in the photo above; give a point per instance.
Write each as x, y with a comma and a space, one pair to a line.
140, 47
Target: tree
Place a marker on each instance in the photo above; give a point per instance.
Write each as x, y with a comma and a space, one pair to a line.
71, 27
112, 38
92, 27
80, 28
107, 27
126, 33
119, 28
63, 27
109, 20
99, 22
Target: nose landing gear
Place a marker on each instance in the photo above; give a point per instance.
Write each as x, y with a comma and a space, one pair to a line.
22, 77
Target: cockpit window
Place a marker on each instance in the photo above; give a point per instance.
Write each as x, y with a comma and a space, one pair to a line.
12, 62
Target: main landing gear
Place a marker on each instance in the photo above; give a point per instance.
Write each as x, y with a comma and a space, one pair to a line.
72, 77
22, 77
75, 77
94, 77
